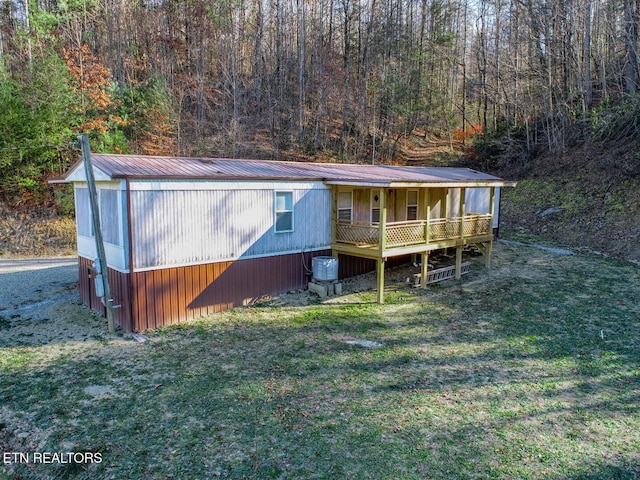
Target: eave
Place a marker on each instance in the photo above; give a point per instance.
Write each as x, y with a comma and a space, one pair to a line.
436, 184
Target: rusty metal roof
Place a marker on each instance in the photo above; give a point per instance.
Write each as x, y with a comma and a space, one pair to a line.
184, 168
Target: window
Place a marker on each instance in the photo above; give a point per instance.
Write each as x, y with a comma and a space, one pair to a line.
412, 204
83, 213
109, 216
375, 206
345, 207
284, 211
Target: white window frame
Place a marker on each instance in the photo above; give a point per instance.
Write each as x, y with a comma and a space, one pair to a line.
276, 211
413, 205
350, 209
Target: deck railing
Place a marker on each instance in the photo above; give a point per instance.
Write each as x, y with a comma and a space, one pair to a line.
414, 232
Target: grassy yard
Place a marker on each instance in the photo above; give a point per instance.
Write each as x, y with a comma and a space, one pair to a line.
529, 370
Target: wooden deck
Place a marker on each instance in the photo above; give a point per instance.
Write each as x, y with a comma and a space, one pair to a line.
380, 241
456, 225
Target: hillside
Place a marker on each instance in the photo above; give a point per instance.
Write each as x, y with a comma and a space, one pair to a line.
35, 232
587, 198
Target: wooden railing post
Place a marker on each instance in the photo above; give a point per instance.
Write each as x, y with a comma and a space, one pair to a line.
427, 215
462, 212
334, 217
382, 244
426, 231
383, 220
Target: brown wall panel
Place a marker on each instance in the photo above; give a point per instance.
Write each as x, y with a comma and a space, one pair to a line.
120, 292
174, 295
157, 298
180, 295
83, 280
146, 300
349, 266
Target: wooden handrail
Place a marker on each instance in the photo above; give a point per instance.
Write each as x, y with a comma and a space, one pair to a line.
416, 231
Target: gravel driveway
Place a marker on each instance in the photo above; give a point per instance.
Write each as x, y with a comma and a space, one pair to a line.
27, 285
40, 302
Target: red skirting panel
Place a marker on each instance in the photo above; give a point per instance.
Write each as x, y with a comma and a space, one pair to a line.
120, 292
174, 295
156, 298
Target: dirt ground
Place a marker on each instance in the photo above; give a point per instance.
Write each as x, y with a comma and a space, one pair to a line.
40, 304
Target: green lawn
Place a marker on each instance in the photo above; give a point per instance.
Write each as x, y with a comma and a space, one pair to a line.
528, 370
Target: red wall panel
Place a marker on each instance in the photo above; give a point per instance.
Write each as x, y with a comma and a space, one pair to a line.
156, 298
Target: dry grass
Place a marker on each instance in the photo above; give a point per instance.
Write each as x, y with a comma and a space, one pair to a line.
530, 370
29, 234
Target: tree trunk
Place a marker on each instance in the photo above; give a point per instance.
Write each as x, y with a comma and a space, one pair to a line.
632, 65
301, 67
587, 56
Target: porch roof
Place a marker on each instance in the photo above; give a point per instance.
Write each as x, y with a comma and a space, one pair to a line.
111, 166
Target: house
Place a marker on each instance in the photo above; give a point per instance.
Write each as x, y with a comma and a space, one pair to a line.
185, 237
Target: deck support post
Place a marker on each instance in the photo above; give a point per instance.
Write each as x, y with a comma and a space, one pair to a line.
425, 269
382, 244
488, 248
458, 262
380, 279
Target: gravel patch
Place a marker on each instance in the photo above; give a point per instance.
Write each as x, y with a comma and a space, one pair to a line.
40, 303
557, 251
28, 282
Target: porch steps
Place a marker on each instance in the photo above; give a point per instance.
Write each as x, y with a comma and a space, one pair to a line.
441, 274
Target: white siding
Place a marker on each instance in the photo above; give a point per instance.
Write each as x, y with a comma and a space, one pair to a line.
496, 207
476, 200
113, 214
453, 203
181, 227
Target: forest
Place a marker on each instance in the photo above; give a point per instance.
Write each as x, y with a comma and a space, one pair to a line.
316, 80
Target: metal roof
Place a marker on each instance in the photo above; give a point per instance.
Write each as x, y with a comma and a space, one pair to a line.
183, 168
